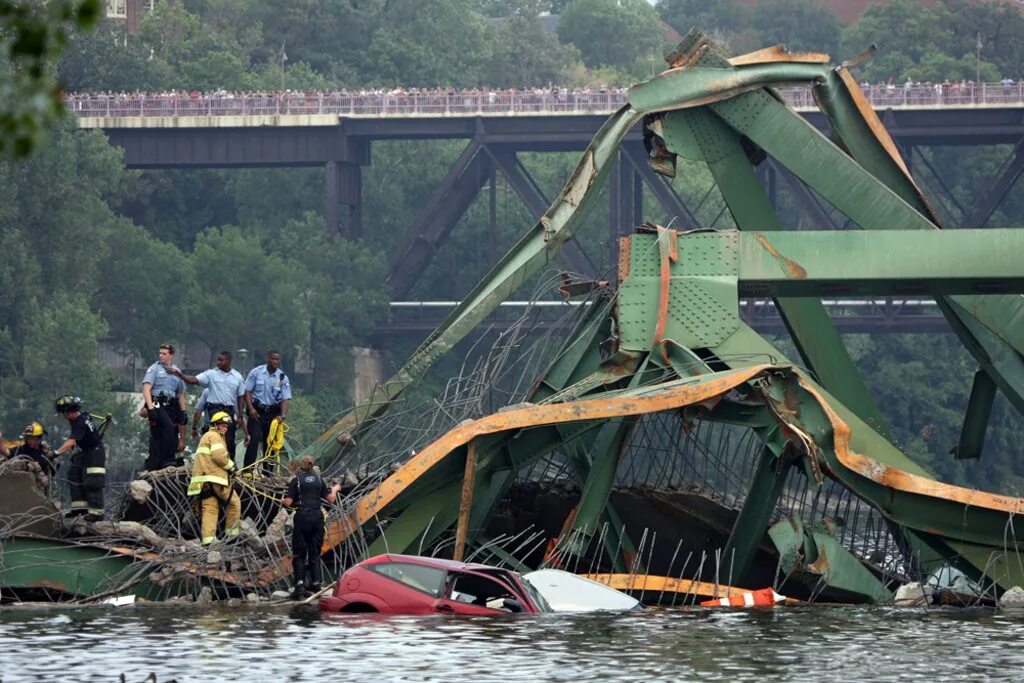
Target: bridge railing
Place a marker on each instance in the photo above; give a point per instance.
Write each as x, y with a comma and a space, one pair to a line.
493, 103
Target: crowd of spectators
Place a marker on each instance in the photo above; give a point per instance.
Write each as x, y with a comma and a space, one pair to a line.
451, 100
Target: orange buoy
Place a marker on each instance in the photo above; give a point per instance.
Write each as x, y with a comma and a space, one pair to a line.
766, 597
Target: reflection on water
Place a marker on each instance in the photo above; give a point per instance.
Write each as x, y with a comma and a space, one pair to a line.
795, 643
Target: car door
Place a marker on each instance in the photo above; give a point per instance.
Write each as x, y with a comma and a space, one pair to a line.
472, 592
407, 587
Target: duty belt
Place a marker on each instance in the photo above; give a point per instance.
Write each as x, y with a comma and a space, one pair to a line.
163, 401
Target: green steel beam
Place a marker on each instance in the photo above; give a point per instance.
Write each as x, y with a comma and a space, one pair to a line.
857, 129
867, 201
420, 524
71, 568
979, 408
694, 86
597, 484
817, 263
816, 339
529, 256
752, 521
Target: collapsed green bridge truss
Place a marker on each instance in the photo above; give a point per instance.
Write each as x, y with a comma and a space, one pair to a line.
674, 321
669, 339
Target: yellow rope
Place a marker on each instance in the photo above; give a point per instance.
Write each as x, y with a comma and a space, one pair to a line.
275, 443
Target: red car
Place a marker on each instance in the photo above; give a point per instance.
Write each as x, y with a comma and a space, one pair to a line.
408, 584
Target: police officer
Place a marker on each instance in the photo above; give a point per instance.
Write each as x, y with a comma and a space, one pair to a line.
164, 395
34, 448
199, 413
267, 392
88, 473
307, 490
225, 392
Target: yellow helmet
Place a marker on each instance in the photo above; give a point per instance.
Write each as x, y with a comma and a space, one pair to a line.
33, 429
220, 416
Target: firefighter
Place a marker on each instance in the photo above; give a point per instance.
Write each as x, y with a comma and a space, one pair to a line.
211, 481
88, 472
307, 491
34, 448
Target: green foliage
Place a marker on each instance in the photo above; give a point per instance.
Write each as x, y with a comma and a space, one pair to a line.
524, 54
246, 296
798, 24
32, 35
618, 33
445, 46
940, 42
717, 18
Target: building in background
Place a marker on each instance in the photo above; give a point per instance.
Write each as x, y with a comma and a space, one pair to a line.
129, 11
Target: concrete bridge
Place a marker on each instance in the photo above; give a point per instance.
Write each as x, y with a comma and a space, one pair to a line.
336, 131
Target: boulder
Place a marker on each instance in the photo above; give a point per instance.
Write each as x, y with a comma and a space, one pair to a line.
1012, 598
140, 490
913, 594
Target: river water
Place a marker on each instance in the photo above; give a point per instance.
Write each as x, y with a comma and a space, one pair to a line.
298, 644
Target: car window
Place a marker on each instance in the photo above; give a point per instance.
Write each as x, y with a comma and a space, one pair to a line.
479, 590
425, 579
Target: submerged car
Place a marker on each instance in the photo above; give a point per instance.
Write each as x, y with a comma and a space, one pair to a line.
409, 584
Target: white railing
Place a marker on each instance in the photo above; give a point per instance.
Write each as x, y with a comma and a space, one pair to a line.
493, 104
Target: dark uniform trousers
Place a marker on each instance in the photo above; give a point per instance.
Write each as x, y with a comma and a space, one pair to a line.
307, 539
163, 433
86, 478
229, 438
259, 430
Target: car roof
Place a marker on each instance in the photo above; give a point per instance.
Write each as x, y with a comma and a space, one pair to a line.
430, 561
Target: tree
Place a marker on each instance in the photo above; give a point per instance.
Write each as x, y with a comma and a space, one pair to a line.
411, 47
719, 18
617, 33
346, 293
799, 24
246, 296
32, 34
107, 59
147, 297
526, 54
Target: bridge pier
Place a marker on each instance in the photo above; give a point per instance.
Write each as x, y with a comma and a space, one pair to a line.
343, 185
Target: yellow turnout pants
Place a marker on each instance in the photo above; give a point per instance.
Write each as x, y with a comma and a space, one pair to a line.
222, 495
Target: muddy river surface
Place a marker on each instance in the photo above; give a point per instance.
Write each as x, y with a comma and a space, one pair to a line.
298, 644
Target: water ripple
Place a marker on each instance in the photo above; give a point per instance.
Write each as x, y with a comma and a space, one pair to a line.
794, 643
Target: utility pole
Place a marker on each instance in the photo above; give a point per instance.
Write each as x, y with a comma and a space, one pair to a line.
282, 58
977, 68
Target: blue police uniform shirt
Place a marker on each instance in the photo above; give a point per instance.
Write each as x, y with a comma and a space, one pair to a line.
201, 403
163, 383
268, 389
223, 388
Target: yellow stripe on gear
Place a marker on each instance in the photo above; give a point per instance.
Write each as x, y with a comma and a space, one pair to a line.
212, 464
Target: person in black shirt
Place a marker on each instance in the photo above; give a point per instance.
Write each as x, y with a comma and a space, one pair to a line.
88, 473
306, 491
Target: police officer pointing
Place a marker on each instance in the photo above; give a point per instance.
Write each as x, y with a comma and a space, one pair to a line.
164, 395
224, 391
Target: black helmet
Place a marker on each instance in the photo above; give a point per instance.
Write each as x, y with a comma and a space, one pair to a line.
67, 403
